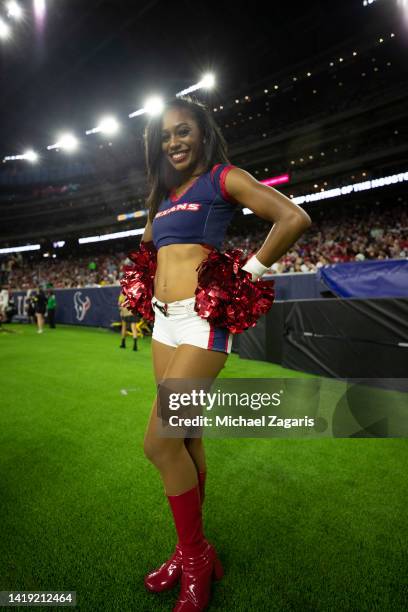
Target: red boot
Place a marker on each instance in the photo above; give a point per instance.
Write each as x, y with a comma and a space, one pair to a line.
168, 574
200, 563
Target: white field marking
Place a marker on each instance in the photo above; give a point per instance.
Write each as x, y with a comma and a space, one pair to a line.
127, 391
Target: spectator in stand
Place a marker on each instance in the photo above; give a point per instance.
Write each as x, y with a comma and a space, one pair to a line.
338, 236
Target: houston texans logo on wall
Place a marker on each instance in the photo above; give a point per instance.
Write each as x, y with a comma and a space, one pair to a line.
81, 305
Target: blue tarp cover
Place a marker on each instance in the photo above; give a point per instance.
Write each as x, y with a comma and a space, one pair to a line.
367, 279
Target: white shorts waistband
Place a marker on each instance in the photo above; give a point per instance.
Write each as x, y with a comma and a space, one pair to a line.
173, 308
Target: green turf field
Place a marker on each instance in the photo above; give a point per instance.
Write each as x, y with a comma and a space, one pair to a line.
299, 524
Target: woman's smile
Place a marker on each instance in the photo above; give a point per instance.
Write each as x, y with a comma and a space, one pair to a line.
179, 157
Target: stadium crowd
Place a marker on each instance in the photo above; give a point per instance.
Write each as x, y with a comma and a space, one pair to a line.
361, 235
334, 239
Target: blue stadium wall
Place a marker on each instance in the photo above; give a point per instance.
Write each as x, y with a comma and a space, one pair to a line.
372, 279
97, 306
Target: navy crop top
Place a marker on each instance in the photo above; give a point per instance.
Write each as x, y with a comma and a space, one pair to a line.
200, 215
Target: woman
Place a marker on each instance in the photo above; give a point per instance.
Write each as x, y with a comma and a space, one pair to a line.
194, 192
30, 307
40, 310
126, 317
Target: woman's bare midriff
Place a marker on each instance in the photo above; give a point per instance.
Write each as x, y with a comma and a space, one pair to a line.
176, 275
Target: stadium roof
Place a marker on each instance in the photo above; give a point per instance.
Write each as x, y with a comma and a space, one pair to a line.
84, 59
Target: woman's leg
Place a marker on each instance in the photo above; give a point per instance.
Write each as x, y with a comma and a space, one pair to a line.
195, 558
170, 455
40, 322
134, 330
169, 572
134, 335
167, 575
192, 362
195, 447
123, 334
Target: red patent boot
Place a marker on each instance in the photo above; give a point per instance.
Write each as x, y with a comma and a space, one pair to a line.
168, 574
200, 563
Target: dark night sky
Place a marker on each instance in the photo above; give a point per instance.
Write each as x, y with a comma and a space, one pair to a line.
98, 56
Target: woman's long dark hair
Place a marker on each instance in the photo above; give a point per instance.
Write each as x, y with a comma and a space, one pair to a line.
161, 175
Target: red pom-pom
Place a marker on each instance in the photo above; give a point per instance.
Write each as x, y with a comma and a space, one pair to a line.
226, 296
137, 281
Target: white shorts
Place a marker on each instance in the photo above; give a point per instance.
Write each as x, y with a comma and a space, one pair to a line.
182, 325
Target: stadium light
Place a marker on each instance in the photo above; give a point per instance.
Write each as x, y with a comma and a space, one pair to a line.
107, 125
68, 142
39, 8
14, 10
404, 7
19, 249
5, 30
141, 111
154, 106
29, 155
207, 82
113, 236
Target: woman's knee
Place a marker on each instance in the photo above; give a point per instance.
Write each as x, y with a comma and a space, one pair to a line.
161, 451
149, 448
193, 442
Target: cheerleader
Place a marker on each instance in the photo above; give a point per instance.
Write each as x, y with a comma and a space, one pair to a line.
194, 192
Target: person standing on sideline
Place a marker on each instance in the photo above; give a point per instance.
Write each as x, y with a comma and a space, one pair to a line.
30, 307
40, 309
4, 299
126, 317
194, 192
51, 308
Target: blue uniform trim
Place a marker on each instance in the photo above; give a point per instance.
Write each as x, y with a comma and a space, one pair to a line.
218, 340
